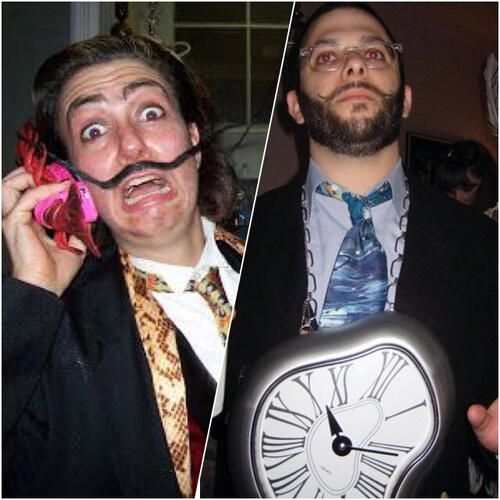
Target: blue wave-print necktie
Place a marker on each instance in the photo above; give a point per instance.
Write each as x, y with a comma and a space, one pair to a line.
358, 283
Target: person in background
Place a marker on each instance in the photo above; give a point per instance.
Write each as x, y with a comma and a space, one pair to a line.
110, 365
468, 174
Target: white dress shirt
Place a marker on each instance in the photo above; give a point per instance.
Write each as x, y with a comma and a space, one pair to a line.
188, 310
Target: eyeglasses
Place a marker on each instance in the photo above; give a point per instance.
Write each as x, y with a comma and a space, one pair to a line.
377, 55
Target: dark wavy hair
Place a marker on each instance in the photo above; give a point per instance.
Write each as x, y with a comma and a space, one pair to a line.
218, 191
291, 80
461, 159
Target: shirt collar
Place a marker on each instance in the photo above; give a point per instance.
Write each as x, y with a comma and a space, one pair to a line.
211, 255
178, 276
396, 178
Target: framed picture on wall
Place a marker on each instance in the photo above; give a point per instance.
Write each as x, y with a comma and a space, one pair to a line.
423, 152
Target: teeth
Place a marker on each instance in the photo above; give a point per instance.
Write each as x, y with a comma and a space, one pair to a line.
130, 200
140, 180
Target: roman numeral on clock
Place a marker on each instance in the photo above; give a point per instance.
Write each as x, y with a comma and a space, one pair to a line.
411, 408
369, 487
277, 448
278, 410
397, 448
378, 465
392, 364
339, 374
319, 494
307, 387
290, 484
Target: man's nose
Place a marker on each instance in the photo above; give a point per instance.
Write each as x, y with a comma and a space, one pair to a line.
354, 65
131, 142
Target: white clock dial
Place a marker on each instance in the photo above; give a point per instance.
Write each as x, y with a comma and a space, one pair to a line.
369, 398
359, 411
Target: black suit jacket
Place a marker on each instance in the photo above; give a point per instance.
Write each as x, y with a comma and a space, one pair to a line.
79, 412
448, 281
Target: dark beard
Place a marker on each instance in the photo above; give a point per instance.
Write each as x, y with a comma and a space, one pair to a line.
355, 137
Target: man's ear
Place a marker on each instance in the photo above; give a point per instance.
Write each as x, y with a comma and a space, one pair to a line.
194, 136
294, 107
407, 102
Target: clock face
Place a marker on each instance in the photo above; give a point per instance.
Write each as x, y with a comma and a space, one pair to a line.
354, 412
368, 397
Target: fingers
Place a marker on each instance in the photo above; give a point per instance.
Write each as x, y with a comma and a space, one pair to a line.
478, 417
77, 244
13, 185
32, 196
484, 422
20, 210
14, 173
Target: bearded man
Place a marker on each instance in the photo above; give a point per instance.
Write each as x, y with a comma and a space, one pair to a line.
348, 90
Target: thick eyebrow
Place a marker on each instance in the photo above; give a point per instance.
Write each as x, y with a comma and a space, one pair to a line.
81, 101
373, 38
145, 82
336, 43
127, 90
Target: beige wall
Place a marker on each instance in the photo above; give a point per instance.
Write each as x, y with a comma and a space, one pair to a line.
444, 64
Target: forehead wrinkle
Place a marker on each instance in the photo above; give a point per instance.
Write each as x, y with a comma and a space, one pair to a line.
143, 82
126, 91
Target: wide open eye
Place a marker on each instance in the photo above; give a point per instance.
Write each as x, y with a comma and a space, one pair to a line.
93, 131
151, 113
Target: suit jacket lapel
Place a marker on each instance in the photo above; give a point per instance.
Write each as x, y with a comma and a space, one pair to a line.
426, 258
285, 269
424, 273
123, 384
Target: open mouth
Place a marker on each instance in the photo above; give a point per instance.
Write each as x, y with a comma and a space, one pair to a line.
140, 187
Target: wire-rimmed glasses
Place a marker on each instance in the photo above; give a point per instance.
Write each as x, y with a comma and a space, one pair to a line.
329, 57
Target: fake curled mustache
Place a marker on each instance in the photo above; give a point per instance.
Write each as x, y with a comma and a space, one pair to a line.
134, 167
127, 170
130, 168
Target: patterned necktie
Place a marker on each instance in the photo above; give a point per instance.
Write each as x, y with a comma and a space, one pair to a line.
358, 283
158, 335
209, 287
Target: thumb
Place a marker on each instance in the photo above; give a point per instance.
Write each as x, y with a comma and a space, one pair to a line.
484, 423
478, 418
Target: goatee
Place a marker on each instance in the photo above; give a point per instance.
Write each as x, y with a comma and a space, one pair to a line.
357, 136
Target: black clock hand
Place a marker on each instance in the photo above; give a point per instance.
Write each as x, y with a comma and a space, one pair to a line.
342, 445
335, 428
369, 450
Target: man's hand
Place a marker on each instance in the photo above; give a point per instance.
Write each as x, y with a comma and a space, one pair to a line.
36, 259
484, 422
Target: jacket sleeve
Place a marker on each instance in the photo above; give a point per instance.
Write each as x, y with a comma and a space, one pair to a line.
30, 320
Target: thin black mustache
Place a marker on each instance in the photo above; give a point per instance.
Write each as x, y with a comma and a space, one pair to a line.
131, 167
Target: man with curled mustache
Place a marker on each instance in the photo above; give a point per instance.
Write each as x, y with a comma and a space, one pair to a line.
111, 365
346, 87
